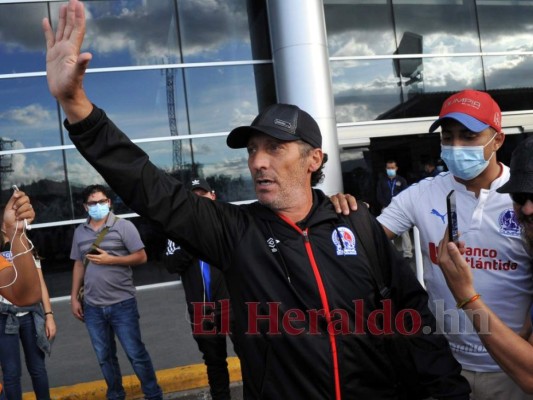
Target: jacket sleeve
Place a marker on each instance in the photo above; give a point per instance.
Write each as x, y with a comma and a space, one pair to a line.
176, 259
438, 371
208, 229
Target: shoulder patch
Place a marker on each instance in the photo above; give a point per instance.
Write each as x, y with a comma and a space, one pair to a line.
344, 240
509, 225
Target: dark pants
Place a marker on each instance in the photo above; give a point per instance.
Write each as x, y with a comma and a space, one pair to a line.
213, 349
11, 362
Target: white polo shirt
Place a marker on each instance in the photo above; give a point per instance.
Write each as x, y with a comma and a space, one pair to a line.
500, 264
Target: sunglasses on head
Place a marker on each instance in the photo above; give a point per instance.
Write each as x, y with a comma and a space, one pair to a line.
522, 198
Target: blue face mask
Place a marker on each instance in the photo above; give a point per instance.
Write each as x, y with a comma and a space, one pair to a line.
99, 211
465, 162
391, 173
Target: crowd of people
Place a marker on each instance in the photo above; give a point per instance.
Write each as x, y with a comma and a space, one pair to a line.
296, 264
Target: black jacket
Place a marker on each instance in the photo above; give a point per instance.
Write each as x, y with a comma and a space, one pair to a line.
388, 188
178, 260
295, 274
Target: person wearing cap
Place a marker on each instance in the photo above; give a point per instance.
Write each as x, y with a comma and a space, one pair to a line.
513, 352
206, 294
293, 267
471, 133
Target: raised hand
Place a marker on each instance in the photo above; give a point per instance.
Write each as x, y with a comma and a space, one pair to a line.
65, 66
16, 211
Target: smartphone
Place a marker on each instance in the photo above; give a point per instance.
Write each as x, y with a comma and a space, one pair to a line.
26, 226
453, 230
93, 251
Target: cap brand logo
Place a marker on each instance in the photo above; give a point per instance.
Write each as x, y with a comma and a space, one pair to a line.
466, 101
285, 124
195, 182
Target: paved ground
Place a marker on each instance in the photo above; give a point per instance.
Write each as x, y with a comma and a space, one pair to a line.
165, 330
203, 394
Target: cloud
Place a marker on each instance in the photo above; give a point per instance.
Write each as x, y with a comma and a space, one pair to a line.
32, 114
149, 36
26, 35
234, 167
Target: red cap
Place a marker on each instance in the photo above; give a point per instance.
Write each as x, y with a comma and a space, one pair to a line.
475, 110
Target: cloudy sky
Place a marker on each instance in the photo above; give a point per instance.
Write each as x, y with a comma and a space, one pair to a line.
216, 99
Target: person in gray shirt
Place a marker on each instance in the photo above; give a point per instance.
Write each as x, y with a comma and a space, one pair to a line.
104, 248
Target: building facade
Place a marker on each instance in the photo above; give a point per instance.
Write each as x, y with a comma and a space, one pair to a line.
178, 75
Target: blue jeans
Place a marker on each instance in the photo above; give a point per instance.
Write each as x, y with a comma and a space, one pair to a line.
11, 363
120, 319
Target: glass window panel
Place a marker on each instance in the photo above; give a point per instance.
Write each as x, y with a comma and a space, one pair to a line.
225, 168
359, 28
369, 90
219, 98
220, 30
22, 40
133, 32
446, 26
364, 89
42, 176
28, 113
511, 79
451, 74
137, 101
130, 32
505, 25
222, 98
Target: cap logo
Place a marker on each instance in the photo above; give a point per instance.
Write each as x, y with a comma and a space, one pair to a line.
284, 124
195, 182
466, 101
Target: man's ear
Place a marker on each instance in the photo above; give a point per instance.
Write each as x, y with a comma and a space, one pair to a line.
316, 159
499, 139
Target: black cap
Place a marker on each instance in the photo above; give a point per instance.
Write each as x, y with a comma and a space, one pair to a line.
281, 121
521, 180
199, 183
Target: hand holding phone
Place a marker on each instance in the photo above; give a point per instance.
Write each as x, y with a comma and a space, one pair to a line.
453, 229
26, 226
93, 250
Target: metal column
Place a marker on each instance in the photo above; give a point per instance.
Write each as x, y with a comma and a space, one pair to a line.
302, 74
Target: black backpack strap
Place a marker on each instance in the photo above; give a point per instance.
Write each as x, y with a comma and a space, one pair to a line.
372, 244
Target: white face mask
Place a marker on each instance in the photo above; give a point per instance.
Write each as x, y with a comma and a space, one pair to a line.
466, 162
391, 172
98, 211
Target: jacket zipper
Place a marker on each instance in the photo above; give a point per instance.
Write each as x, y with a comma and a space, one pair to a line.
324, 301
